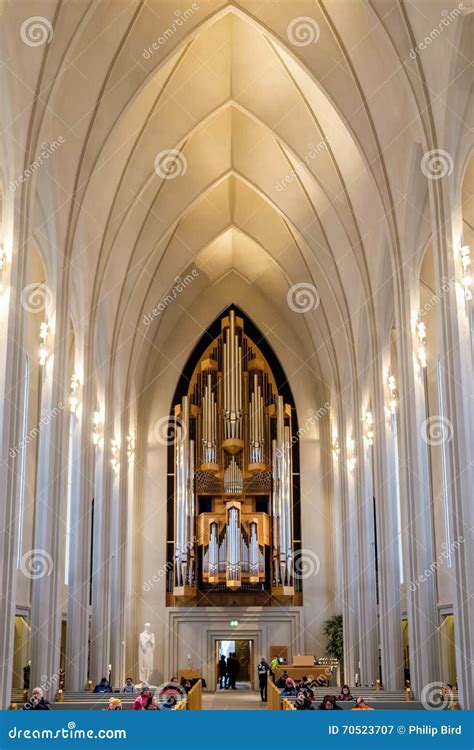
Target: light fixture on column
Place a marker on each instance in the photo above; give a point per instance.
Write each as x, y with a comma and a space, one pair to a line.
74, 395
392, 389
421, 333
96, 421
335, 444
369, 427
465, 254
351, 459
43, 335
130, 448
114, 451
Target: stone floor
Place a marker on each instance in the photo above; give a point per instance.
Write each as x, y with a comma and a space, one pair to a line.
242, 699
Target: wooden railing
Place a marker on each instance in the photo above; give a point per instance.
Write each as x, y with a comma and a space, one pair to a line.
273, 697
195, 697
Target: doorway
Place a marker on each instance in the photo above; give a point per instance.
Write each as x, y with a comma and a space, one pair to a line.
243, 648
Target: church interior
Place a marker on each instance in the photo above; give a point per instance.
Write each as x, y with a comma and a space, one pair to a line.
236, 333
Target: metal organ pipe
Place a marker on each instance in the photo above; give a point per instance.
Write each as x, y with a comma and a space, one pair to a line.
253, 551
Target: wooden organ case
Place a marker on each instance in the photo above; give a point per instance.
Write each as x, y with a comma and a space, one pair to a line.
233, 489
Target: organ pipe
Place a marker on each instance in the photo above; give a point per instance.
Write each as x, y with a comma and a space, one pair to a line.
213, 552
253, 552
233, 549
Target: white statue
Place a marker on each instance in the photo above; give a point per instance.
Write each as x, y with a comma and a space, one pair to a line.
146, 645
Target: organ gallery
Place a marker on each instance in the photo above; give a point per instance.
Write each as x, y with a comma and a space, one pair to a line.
233, 485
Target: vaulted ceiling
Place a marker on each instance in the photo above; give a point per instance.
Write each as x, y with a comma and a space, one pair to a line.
264, 144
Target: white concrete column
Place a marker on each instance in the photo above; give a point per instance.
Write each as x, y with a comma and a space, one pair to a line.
77, 641
49, 531
100, 615
366, 585
118, 537
350, 564
12, 327
457, 423
416, 497
387, 543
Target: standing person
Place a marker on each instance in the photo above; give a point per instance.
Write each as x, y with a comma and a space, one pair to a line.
228, 671
273, 666
233, 666
222, 672
263, 670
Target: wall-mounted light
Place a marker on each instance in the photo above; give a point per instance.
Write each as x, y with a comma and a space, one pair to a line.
130, 448
392, 389
43, 336
421, 333
351, 459
74, 392
369, 427
114, 452
335, 444
465, 254
96, 422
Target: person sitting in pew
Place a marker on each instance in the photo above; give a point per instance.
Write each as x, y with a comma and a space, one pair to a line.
290, 688
142, 699
281, 682
37, 701
303, 702
345, 694
328, 703
129, 687
103, 686
115, 704
361, 705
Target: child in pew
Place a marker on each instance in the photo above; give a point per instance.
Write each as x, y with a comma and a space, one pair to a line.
361, 705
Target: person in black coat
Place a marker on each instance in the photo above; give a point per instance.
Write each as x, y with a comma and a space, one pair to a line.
222, 672
233, 667
37, 701
263, 670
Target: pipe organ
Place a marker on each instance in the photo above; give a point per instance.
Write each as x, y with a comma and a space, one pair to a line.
233, 503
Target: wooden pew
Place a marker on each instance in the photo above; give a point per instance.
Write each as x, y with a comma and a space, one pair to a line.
194, 701
287, 705
273, 697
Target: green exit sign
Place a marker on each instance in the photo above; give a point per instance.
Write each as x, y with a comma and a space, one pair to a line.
234, 623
